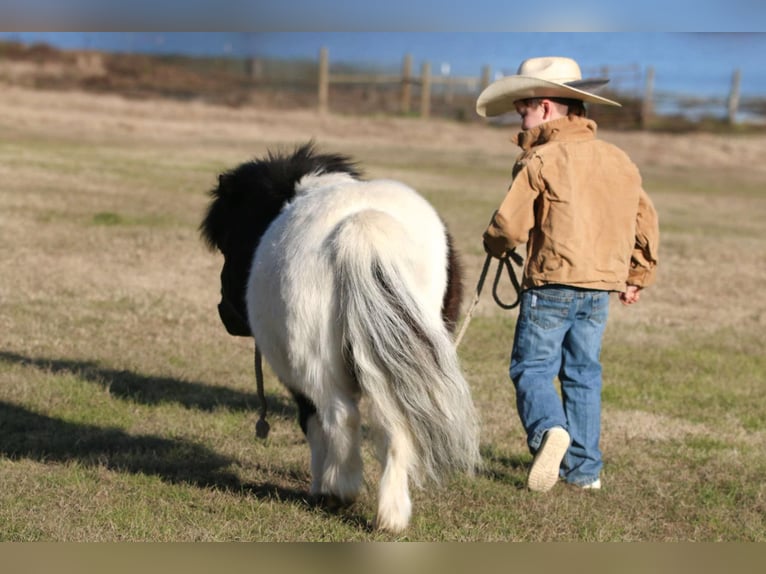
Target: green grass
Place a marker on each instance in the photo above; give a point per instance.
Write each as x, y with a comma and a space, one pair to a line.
703, 381
109, 218
127, 413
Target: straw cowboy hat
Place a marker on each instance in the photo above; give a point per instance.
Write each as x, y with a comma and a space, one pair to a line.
549, 77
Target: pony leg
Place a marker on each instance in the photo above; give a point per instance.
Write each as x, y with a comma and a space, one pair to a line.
394, 504
318, 446
315, 435
341, 475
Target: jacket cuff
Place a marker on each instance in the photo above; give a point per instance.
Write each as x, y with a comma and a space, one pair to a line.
640, 277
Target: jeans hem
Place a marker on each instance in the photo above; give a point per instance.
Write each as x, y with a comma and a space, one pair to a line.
581, 481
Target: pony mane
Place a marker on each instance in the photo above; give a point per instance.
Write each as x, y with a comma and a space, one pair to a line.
250, 196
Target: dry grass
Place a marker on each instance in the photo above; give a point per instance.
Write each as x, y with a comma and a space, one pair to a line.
126, 412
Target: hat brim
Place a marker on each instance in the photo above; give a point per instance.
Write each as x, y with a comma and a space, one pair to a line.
498, 98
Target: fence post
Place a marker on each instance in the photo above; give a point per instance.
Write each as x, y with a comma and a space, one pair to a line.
324, 80
733, 102
406, 83
425, 91
254, 68
485, 75
647, 106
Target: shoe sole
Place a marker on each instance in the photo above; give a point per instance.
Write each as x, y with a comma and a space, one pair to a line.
545, 468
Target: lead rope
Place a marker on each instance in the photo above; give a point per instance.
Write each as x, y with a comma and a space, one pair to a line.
503, 262
261, 427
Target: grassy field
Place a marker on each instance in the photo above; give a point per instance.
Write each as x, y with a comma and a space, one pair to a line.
127, 413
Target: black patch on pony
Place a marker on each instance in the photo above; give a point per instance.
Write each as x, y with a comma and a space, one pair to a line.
453, 295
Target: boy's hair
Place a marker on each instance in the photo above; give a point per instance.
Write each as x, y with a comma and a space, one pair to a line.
574, 107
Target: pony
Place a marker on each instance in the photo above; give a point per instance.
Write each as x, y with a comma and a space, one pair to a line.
351, 289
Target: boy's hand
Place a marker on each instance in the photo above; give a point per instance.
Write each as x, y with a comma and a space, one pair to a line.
631, 295
494, 246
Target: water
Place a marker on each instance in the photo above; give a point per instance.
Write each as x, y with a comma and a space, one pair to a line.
697, 64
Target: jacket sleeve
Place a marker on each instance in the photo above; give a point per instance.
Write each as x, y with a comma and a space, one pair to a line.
643, 261
513, 220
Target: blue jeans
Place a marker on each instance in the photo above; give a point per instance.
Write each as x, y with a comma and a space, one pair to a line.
559, 333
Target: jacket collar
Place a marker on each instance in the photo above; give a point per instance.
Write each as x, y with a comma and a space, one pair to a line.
570, 128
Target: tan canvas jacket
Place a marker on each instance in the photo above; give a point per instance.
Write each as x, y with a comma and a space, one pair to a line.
578, 204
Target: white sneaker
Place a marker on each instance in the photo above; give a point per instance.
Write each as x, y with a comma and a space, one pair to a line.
545, 467
595, 485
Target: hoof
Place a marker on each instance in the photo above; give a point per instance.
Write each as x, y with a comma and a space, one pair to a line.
392, 526
331, 502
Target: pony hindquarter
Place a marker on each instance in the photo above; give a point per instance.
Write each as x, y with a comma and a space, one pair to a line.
404, 361
345, 299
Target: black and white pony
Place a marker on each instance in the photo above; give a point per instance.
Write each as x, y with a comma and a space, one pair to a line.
351, 289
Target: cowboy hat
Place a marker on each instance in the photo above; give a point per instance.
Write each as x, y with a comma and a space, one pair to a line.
548, 77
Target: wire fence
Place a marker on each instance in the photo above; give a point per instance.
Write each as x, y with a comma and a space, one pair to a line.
426, 91
339, 87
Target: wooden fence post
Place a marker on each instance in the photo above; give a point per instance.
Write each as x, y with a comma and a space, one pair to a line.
406, 83
324, 80
425, 91
733, 101
254, 68
647, 106
485, 75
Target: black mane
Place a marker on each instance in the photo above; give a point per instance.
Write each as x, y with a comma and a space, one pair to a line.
254, 193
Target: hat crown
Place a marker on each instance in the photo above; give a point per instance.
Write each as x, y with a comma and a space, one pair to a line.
552, 69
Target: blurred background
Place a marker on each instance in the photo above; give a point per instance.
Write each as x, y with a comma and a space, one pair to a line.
666, 81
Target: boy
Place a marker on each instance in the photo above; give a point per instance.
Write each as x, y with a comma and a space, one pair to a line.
578, 204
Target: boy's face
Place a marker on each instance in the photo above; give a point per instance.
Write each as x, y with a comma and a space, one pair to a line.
532, 112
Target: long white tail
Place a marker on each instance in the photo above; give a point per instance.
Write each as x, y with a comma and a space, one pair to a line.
402, 355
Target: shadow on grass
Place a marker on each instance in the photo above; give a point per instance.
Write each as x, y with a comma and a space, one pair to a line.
149, 390
30, 435
507, 469
26, 434
35, 436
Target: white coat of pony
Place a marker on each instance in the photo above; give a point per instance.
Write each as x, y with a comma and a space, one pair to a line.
344, 300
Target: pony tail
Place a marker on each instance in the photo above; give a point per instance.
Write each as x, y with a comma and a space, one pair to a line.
401, 354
